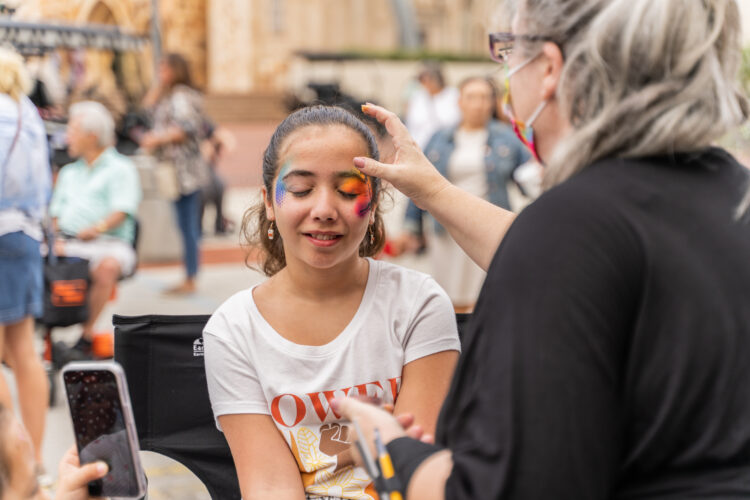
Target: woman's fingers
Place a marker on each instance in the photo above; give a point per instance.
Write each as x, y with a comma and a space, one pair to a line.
427, 438
393, 125
411, 172
368, 166
369, 417
415, 432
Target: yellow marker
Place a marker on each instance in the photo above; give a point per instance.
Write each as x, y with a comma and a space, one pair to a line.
392, 484
386, 466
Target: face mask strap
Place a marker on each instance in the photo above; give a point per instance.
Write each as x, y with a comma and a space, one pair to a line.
536, 113
518, 68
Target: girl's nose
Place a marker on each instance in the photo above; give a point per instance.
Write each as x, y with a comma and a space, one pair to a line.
324, 205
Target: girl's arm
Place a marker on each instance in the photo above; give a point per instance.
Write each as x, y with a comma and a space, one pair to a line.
424, 385
265, 465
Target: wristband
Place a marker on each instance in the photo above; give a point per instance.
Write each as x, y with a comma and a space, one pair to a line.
407, 455
101, 227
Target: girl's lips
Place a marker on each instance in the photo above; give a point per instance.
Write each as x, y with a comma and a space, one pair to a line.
330, 239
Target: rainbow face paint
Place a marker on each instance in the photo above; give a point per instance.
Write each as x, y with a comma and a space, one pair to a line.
281, 188
360, 186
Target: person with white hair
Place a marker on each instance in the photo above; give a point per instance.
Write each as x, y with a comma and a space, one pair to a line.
25, 186
607, 357
94, 205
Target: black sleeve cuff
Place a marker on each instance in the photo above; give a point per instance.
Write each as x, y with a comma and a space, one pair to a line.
407, 455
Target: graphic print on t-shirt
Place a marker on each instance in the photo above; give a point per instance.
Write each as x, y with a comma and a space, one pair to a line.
320, 440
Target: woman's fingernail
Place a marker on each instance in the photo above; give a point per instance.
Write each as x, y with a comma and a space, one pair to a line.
335, 404
101, 468
359, 162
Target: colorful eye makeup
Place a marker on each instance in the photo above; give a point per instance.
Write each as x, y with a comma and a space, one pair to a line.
361, 187
281, 188
352, 184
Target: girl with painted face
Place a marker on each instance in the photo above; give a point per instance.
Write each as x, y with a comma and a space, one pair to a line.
607, 355
330, 321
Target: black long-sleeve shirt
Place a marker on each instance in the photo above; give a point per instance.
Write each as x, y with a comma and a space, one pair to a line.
609, 354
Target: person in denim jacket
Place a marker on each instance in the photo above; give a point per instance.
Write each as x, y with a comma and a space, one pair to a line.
480, 156
25, 186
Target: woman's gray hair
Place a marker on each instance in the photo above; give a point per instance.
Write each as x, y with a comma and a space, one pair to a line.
94, 118
641, 77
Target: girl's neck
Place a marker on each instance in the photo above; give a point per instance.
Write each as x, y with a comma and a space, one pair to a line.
324, 284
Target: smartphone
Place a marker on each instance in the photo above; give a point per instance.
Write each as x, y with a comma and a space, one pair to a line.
104, 426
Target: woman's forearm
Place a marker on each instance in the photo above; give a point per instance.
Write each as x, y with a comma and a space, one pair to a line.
428, 481
475, 224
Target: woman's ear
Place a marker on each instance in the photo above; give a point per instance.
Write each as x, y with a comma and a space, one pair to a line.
555, 61
268, 204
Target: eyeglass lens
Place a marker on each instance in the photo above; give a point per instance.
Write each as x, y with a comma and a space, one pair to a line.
500, 47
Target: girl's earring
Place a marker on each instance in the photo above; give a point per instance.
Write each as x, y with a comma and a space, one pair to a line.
372, 235
271, 232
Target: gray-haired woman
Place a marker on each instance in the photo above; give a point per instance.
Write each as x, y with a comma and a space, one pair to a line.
607, 357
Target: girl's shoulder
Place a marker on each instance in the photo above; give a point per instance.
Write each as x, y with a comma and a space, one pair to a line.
233, 314
396, 283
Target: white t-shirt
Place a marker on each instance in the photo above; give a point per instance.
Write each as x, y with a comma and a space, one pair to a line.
404, 315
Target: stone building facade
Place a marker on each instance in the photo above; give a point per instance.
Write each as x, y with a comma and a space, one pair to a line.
256, 43
247, 47
243, 46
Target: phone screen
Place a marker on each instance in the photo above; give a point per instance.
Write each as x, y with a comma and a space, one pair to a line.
100, 431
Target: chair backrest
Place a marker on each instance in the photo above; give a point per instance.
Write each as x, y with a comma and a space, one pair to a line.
163, 360
462, 320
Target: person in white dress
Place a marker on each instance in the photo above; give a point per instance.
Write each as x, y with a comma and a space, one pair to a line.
479, 156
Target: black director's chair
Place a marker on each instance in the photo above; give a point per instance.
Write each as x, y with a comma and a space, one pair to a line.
163, 360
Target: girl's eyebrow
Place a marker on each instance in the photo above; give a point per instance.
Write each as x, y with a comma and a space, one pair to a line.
298, 173
351, 174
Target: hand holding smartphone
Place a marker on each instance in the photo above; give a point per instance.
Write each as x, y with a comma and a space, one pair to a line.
104, 427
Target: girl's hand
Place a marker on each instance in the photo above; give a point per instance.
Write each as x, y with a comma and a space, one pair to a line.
411, 172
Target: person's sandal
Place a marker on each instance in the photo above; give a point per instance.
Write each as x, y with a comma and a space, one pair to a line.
181, 289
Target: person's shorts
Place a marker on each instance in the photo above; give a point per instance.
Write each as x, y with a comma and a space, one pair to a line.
21, 284
97, 250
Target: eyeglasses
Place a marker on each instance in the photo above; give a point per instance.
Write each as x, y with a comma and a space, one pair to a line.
501, 44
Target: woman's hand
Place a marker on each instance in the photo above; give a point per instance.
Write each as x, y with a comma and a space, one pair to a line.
74, 478
370, 417
411, 172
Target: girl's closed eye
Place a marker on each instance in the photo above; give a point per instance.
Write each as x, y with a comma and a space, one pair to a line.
359, 189
348, 194
300, 193
298, 189
353, 187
